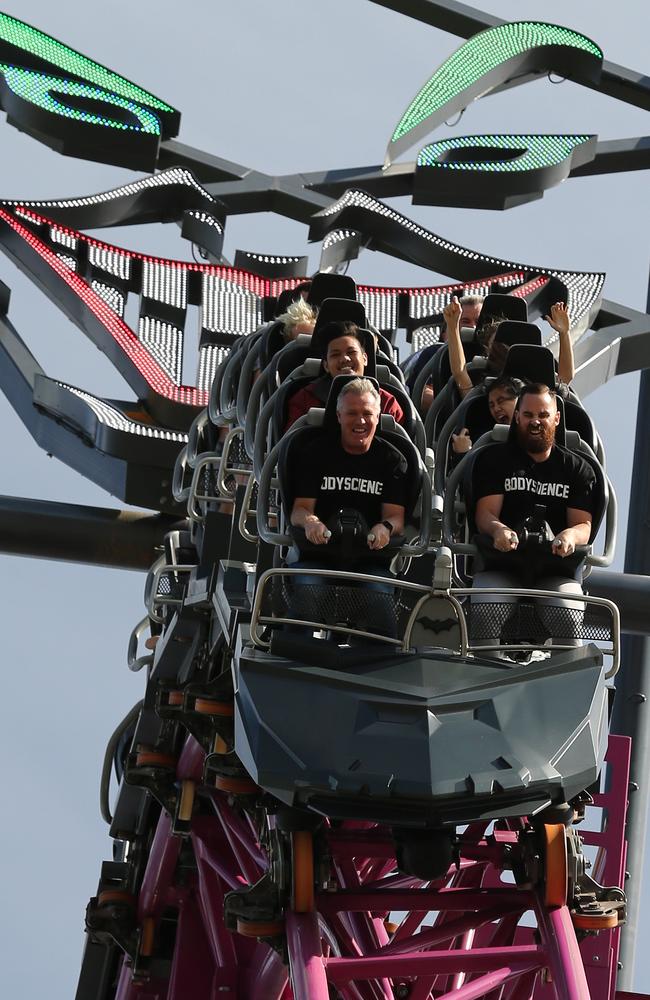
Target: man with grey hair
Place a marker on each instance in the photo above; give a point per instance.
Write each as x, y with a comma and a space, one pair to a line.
352, 470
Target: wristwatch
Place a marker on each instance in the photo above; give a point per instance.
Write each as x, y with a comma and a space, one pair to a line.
388, 526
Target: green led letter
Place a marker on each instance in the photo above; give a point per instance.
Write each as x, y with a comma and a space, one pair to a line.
22, 45
487, 61
79, 119
496, 171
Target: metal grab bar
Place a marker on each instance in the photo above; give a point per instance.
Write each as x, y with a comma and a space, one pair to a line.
246, 511
338, 576
135, 662
194, 512
197, 429
224, 469
179, 491
152, 599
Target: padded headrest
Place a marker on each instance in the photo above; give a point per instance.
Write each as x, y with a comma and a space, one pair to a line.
337, 384
331, 286
289, 358
506, 306
289, 295
339, 311
530, 363
513, 331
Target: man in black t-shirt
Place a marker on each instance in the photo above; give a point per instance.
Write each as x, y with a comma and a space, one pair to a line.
509, 482
353, 470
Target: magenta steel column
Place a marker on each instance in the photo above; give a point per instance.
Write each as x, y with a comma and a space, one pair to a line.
564, 958
308, 976
160, 869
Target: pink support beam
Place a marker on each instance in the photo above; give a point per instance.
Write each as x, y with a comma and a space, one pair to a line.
308, 977
423, 899
521, 958
564, 958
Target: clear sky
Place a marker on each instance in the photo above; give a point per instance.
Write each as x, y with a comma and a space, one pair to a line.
281, 87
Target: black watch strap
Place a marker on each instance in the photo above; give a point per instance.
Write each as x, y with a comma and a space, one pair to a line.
389, 526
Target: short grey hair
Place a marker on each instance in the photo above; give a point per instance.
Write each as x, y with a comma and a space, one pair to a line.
358, 387
472, 300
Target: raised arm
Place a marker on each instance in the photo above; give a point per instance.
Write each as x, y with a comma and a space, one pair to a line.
559, 320
458, 364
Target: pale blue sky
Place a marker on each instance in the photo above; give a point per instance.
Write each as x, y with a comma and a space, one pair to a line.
280, 87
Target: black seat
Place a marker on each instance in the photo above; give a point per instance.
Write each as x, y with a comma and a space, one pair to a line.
337, 311
512, 332
498, 306
271, 341
530, 363
331, 286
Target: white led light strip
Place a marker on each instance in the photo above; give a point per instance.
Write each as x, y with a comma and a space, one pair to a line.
113, 418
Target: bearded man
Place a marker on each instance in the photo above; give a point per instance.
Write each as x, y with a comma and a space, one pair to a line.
516, 481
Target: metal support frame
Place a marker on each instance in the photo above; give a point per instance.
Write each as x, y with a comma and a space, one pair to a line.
630, 716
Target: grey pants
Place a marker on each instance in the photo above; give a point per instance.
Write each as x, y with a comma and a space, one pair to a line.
563, 628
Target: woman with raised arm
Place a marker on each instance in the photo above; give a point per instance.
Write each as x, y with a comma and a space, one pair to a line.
496, 353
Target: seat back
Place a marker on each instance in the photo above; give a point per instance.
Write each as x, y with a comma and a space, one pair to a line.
337, 311
517, 332
331, 286
530, 363
496, 305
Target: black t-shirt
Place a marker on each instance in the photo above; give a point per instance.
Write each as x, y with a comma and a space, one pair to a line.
563, 480
362, 482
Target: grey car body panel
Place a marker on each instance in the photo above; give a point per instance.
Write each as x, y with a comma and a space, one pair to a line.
423, 739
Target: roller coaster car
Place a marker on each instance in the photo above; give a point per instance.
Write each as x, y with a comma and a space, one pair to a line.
423, 735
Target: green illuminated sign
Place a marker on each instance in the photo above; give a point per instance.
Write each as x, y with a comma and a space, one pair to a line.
75, 105
499, 153
40, 50
488, 60
49, 93
496, 171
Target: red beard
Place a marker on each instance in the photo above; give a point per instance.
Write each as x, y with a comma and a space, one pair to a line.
534, 444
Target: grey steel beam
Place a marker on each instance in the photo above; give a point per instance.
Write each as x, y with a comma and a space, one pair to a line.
297, 196
256, 192
448, 15
616, 156
629, 591
619, 345
611, 156
630, 717
205, 166
95, 536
